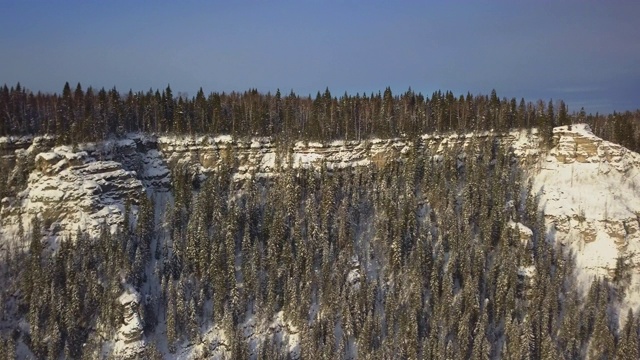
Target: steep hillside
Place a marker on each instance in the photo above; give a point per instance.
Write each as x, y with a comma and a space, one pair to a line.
88, 186
441, 188
588, 191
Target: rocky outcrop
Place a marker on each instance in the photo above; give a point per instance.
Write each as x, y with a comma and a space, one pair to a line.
12, 146
577, 144
71, 190
9, 145
129, 343
261, 156
523, 233
587, 188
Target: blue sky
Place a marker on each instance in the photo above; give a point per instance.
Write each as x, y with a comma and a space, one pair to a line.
585, 52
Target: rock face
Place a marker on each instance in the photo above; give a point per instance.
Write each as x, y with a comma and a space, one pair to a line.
586, 185
71, 190
587, 188
260, 157
129, 343
588, 191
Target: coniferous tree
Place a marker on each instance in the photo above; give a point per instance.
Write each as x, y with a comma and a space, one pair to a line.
628, 344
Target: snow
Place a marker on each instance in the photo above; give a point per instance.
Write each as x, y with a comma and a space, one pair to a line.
223, 139
601, 253
126, 143
583, 130
527, 271
306, 160
588, 196
77, 191
587, 188
129, 297
47, 156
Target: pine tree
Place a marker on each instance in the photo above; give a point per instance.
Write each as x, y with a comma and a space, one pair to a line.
548, 350
563, 115
628, 346
54, 344
481, 349
602, 343
10, 348
171, 323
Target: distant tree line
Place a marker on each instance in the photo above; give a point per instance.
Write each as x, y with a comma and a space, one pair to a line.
79, 115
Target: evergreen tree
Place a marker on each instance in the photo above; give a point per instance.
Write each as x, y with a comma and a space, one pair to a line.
628, 345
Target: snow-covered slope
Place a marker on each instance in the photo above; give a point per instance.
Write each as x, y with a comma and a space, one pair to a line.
72, 190
587, 188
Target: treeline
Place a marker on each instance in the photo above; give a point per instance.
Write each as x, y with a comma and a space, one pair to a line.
620, 128
87, 115
419, 258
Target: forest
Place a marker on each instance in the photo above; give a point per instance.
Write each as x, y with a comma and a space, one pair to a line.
90, 115
420, 258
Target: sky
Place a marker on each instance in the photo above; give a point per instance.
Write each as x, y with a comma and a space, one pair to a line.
584, 52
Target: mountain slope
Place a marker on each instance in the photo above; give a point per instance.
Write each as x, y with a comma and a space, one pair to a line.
588, 191
584, 185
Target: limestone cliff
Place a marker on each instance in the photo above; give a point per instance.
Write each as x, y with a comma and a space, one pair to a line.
586, 187
588, 190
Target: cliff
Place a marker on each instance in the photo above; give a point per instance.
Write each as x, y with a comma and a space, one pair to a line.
586, 188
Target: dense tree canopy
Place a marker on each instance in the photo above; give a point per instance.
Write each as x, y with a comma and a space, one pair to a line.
88, 115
